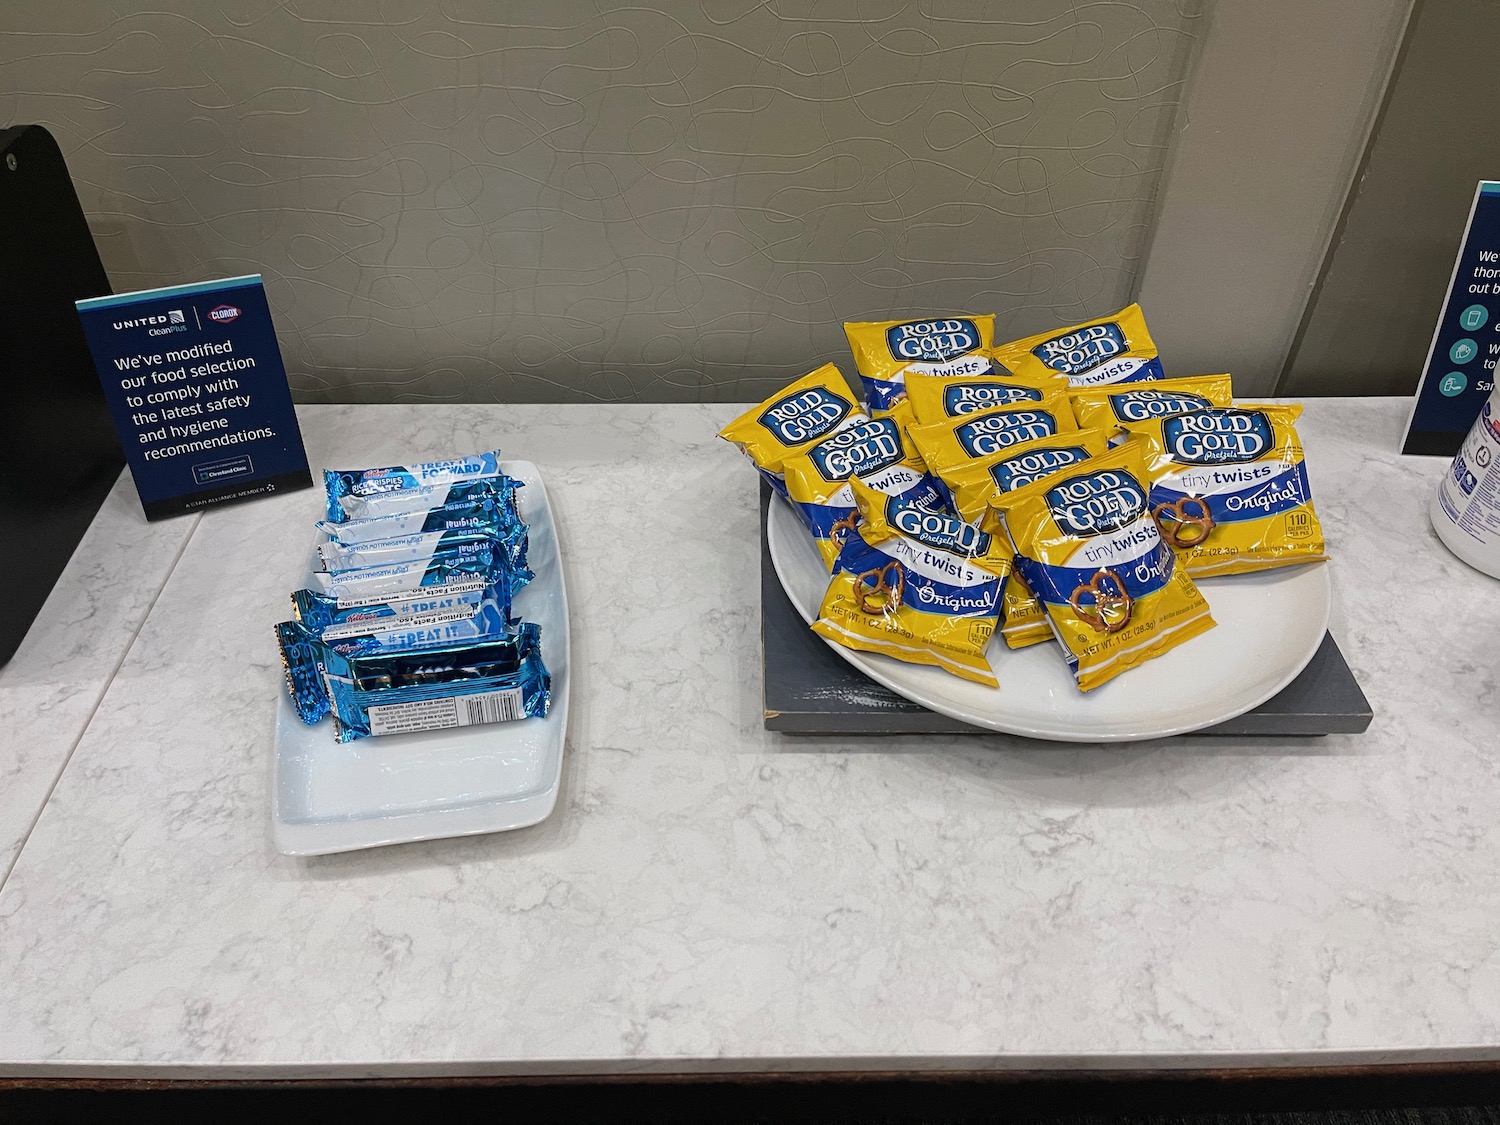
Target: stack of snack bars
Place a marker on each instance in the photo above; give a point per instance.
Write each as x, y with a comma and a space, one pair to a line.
1057, 487
406, 624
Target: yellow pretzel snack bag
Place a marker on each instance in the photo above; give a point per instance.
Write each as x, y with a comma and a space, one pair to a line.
1115, 406
886, 351
949, 444
1089, 549
936, 398
1229, 488
819, 480
973, 484
916, 585
813, 407
1112, 349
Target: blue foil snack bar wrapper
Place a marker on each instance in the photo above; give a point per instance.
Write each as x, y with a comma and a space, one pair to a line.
493, 513
323, 617
374, 584
367, 493
372, 688
338, 557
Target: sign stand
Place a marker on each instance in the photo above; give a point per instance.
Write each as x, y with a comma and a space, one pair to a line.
1460, 368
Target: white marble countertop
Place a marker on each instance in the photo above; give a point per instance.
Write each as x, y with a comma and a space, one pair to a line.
49, 688
709, 895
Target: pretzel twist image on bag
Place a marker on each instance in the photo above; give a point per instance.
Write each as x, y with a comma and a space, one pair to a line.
1229, 488
1113, 407
969, 437
915, 585
1110, 349
815, 406
1088, 547
819, 479
886, 351
936, 398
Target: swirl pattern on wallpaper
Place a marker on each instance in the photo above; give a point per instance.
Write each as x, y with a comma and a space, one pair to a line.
463, 200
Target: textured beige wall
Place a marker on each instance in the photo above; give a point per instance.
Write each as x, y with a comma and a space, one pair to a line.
477, 201
1280, 105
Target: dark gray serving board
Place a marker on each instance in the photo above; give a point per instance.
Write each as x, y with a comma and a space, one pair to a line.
810, 689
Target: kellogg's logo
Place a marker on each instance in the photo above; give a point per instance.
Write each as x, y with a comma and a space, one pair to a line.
1217, 436
943, 532
965, 398
805, 416
991, 433
223, 314
1096, 503
931, 340
1081, 351
1024, 468
1138, 406
863, 448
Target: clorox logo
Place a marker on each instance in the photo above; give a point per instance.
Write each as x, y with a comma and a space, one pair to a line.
1138, 406
1096, 503
990, 433
931, 340
1024, 468
1081, 351
805, 416
965, 398
1218, 436
223, 314
860, 449
943, 532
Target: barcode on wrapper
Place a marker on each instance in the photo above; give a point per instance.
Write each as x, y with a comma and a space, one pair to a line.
451, 711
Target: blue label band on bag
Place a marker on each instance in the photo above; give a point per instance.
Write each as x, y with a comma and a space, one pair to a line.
1240, 494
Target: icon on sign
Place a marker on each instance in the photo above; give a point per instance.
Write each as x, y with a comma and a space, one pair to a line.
1463, 350
1473, 317
1453, 383
1482, 457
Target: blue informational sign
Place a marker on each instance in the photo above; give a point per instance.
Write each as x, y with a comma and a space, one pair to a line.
1460, 368
195, 383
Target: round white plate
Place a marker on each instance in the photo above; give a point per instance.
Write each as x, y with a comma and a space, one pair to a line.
1269, 626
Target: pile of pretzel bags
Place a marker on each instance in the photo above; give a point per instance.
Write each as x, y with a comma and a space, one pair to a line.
1060, 489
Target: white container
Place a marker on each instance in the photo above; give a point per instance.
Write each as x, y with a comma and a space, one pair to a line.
1465, 512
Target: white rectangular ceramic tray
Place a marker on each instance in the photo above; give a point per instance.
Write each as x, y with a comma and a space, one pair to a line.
335, 797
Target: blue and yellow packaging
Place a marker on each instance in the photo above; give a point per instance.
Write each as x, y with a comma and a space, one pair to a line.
1111, 349
949, 444
917, 586
820, 479
1088, 547
936, 398
816, 405
972, 484
1229, 488
1116, 406
886, 351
